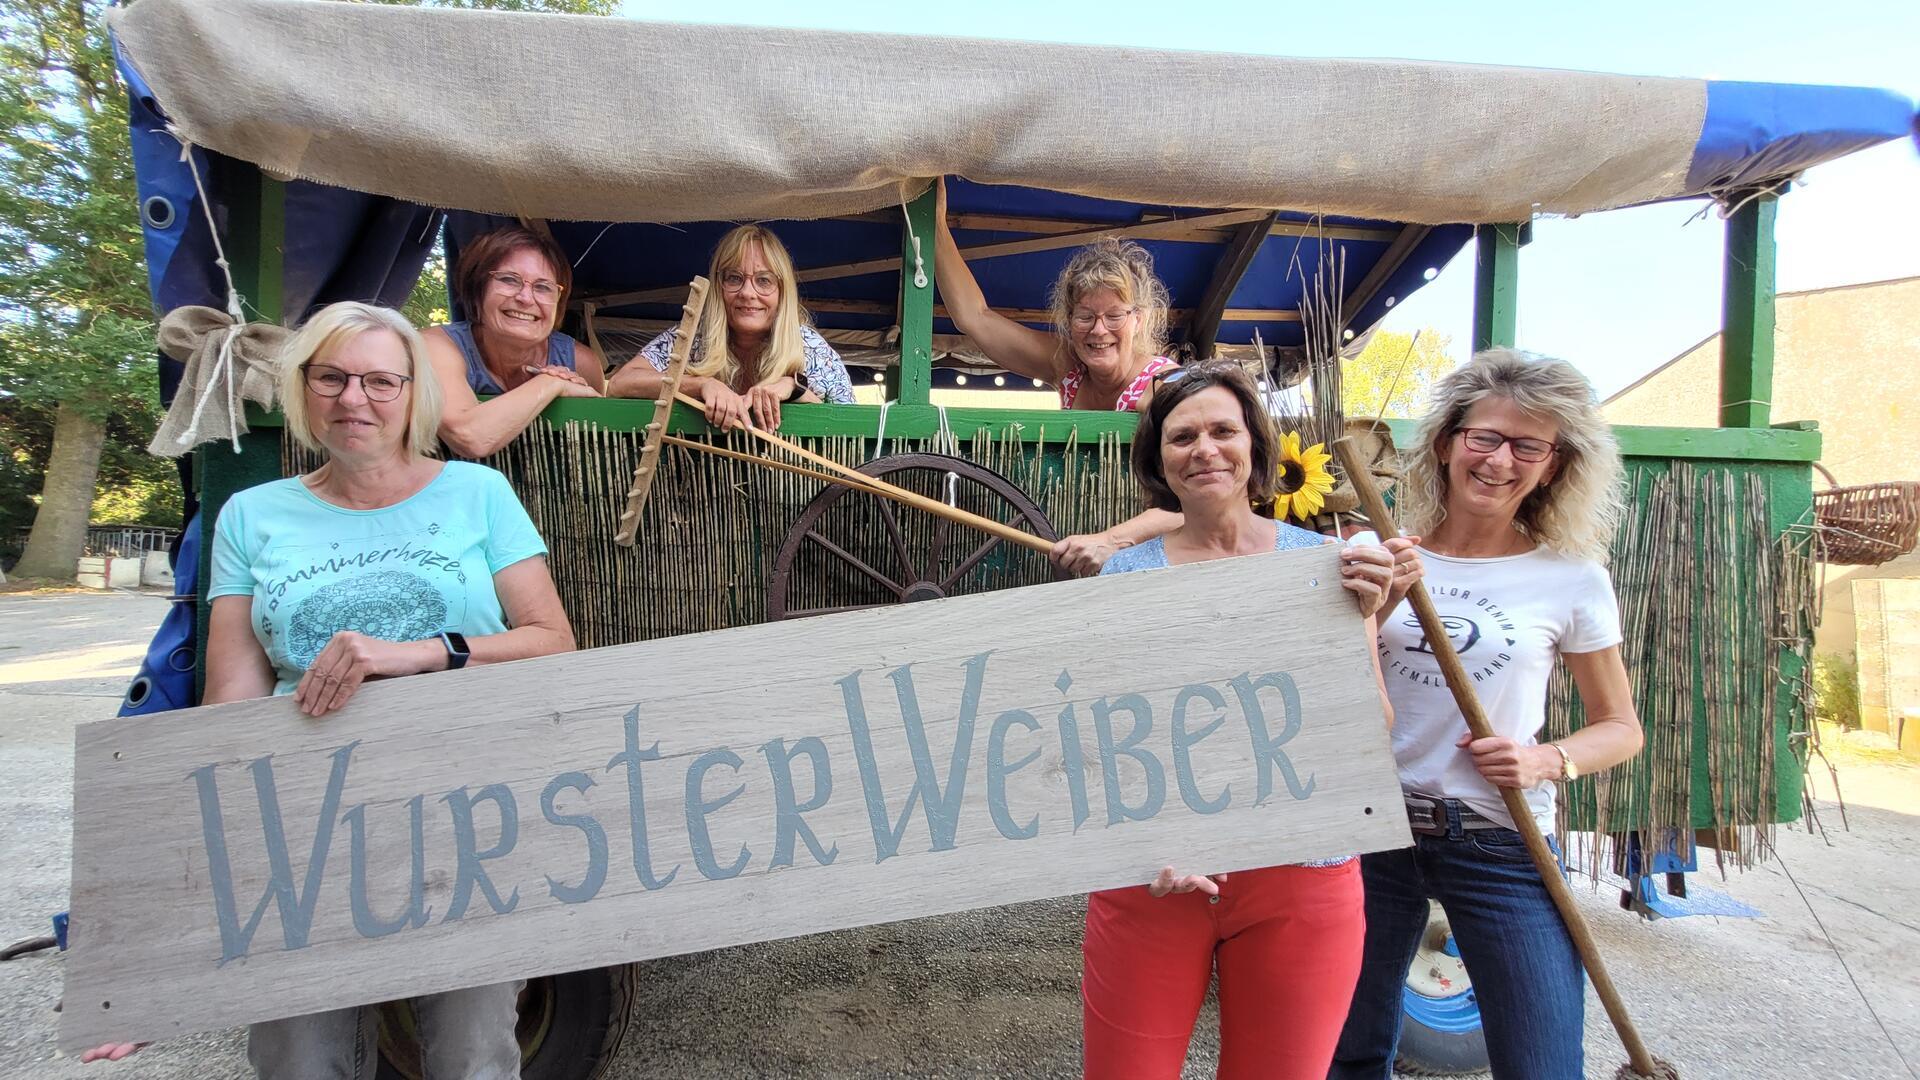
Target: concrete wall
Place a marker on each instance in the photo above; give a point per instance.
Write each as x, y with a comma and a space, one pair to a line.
1848, 358
1888, 618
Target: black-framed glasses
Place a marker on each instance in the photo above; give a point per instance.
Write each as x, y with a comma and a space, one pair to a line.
330, 382
511, 283
1487, 441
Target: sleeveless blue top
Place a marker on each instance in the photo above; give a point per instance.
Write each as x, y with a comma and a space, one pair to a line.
559, 354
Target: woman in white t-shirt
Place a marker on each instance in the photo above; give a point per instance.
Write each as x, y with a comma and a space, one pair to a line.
1513, 484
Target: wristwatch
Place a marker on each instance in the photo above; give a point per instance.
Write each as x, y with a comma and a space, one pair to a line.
1568, 771
456, 649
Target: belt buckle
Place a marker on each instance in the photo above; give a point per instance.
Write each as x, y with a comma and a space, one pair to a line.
1426, 814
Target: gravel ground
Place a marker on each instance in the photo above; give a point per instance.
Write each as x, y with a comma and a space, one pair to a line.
995, 993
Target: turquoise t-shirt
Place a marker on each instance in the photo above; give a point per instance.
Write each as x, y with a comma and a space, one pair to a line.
401, 573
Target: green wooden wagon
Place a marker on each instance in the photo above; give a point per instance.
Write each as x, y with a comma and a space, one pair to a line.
332, 158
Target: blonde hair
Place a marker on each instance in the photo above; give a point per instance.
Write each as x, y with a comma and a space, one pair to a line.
1127, 269
335, 325
1577, 513
784, 353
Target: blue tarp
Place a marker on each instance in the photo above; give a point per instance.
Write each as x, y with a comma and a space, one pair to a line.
342, 244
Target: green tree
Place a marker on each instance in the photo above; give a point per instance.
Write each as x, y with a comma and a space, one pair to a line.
1394, 373
77, 373
76, 328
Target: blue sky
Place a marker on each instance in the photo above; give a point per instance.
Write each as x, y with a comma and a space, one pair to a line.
1616, 293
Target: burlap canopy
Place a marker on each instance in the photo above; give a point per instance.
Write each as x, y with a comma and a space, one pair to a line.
616, 120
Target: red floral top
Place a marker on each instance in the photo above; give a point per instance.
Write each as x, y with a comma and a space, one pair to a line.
1129, 398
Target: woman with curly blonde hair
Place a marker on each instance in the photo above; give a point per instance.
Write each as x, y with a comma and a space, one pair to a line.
1514, 487
1109, 315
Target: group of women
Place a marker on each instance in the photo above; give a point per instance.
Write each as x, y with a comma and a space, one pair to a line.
1510, 496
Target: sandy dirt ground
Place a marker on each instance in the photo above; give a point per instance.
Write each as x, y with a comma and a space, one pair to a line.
995, 993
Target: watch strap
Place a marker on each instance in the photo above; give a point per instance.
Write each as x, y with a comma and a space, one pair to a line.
457, 652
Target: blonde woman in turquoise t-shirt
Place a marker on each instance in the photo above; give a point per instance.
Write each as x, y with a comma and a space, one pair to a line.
382, 562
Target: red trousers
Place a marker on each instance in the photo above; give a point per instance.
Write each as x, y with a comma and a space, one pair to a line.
1287, 941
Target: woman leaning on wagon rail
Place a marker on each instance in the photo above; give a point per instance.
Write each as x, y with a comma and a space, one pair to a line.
382, 562
513, 283
1515, 484
1109, 331
754, 351
1286, 940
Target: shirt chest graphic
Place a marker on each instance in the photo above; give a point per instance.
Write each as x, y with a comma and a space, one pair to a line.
1482, 629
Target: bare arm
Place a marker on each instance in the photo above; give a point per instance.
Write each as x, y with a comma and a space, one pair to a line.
475, 429
237, 665
527, 598
1019, 349
1085, 553
1612, 733
590, 365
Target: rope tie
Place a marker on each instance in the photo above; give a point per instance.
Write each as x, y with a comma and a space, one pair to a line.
919, 263
945, 442
223, 364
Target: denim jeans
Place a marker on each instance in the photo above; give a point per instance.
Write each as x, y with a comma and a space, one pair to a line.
1526, 974
463, 1035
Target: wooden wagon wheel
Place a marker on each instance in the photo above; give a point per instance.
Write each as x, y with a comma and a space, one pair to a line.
911, 555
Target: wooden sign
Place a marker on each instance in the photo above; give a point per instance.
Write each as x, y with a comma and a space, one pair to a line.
241, 862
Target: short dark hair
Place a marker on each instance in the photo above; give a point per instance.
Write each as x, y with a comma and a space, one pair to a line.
479, 257
1173, 387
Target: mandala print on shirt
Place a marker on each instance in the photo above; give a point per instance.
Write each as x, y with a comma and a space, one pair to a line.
391, 605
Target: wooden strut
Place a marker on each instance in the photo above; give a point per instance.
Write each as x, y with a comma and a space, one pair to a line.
1639, 1059
656, 429
897, 494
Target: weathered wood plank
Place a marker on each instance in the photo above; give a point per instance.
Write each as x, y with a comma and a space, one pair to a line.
575, 811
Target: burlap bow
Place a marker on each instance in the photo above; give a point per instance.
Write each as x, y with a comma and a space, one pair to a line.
226, 366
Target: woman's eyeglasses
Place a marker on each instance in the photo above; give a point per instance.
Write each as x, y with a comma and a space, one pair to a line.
1487, 441
734, 281
331, 382
1112, 320
510, 283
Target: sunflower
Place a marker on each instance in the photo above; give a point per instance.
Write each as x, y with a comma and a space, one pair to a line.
1304, 479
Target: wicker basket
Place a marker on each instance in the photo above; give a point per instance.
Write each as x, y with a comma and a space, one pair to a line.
1868, 524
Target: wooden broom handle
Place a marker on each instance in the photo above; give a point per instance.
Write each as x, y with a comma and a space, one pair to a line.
1463, 696
900, 494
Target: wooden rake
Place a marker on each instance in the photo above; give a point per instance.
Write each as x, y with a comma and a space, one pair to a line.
656, 431
1641, 1065
655, 436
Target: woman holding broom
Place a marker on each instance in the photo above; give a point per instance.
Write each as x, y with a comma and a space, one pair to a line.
1514, 484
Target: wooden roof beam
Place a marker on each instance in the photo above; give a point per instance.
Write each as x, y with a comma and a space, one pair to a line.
1232, 265
1151, 230
1390, 262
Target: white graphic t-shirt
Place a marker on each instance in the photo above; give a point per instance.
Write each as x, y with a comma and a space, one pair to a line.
1508, 619
401, 573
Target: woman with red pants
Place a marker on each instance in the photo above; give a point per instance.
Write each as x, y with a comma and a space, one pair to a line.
1285, 939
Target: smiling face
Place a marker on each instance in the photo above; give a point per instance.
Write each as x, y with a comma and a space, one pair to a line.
751, 308
522, 315
1494, 484
354, 426
1101, 327
1206, 450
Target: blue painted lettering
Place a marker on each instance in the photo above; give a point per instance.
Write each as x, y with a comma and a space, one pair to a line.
698, 807
469, 871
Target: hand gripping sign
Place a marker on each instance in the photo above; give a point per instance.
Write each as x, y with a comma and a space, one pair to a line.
241, 862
